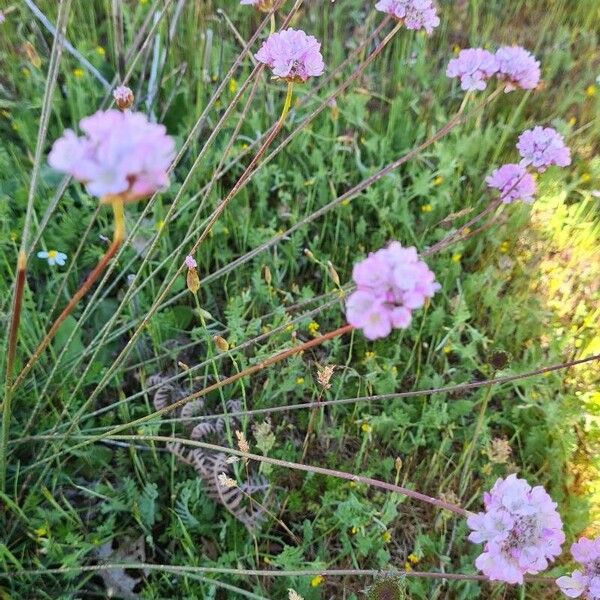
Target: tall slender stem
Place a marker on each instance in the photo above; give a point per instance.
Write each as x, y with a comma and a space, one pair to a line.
119, 234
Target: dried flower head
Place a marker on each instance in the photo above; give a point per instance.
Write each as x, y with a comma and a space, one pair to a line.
226, 481
324, 375
292, 55
389, 588
474, 66
294, 595
586, 582
415, 14
521, 530
542, 147
120, 153
123, 97
518, 68
391, 283
514, 183
499, 451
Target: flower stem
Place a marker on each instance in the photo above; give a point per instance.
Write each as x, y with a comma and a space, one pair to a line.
10, 359
273, 24
118, 236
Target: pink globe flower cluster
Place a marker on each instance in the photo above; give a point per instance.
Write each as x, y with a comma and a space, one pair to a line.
521, 530
514, 65
391, 283
514, 183
292, 55
120, 153
539, 148
415, 14
584, 583
542, 147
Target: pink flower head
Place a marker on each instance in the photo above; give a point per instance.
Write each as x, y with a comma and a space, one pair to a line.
518, 68
119, 153
541, 147
584, 583
415, 14
390, 284
262, 5
190, 262
520, 529
292, 55
123, 97
514, 183
474, 66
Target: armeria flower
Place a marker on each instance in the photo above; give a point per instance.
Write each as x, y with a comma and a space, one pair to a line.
123, 97
474, 66
190, 262
541, 147
292, 55
119, 153
262, 5
390, 284
415, 14
584, 583
518, 68
54, 257
520, 529
514, 183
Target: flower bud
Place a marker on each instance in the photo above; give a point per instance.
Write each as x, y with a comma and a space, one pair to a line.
123, 97
221, 343
333, 273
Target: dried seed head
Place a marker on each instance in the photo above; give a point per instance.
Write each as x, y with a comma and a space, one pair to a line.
324, 375
499, 451
267, 275
242, 442
226, 481
294, 595
390, 588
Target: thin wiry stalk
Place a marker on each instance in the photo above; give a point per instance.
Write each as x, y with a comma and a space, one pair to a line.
63, 14
185, 569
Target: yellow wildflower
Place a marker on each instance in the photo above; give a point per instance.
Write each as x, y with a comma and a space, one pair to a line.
426, 208
438, 180
366, 428
591, 91
100, 50
317, 581
300, 380
456, 257
78, 72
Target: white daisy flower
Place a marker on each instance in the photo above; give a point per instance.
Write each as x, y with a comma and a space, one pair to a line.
54, 257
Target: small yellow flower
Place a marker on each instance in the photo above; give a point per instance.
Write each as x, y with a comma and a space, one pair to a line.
159, 225
313, 328
100, 50
456, 49
317, 581
289, 328
245, 146
354, 531
426, 208
299, 380
233, 86
366, 428
447, 349
504, 247
345, 202
572, 121
25, 72
387, 537
407, 567
591, 91
40, 531
369, 355
78, 72
585, 177
438, 180
142, 2
413, 559
456, 257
